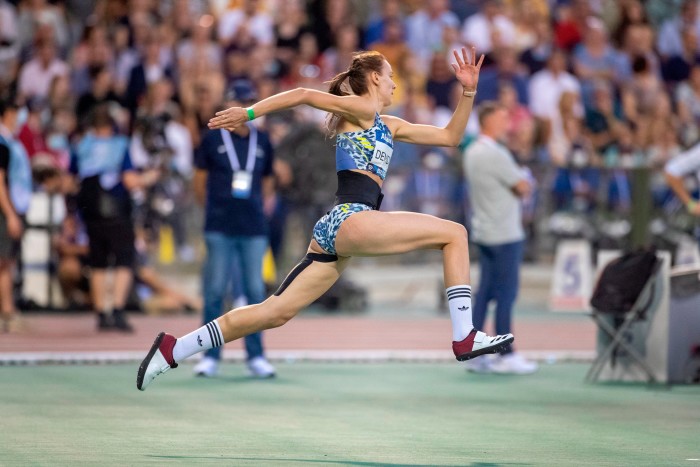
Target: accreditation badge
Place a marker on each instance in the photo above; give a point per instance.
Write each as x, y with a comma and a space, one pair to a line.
241, 184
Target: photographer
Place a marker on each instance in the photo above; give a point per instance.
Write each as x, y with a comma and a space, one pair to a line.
162, 145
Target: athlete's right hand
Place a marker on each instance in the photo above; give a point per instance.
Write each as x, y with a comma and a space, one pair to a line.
229, 119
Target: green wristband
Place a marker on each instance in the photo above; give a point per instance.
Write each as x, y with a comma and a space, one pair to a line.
690, 205
251, 114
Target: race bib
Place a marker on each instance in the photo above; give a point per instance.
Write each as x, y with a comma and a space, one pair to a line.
241, 184
382, 155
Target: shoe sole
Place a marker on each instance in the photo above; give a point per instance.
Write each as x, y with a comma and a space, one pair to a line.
146, 361
486, 350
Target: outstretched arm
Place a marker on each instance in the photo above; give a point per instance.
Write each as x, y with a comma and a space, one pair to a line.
467, 73
352, 108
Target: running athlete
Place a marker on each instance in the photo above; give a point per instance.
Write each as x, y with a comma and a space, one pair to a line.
355, 226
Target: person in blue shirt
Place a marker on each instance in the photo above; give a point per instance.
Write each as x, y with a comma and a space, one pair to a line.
102, 164
232, 178
354, 226
15, 194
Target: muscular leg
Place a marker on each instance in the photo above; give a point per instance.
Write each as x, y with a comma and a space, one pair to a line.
375, 233
310, 284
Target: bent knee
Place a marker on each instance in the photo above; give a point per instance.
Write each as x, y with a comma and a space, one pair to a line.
458, 233
279, 315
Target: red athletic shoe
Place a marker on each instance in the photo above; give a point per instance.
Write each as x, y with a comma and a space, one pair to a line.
158, 360
477, 343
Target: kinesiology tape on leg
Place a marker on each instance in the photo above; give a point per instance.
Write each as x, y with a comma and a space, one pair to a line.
308, 259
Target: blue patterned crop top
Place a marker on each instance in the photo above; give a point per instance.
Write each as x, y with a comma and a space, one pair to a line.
369, 149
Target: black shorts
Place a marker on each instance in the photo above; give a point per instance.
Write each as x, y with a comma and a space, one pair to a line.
9, 247
111, 244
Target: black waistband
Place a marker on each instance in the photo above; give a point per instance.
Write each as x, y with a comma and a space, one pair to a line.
355, 187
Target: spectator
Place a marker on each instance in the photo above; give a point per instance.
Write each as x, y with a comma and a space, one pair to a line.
148, 71
101, 93
394, 48
639, 42
71, 245
246, 27
424, 30
547, 86
337, 58
519, 136
376, 28
290, 27
495, 185
103, 166
506, 69
440, 82
677, 67
536, 56
641, 93
233, 177
34, 14
199, 53
603, 120
31, 134
669, 41
489, 30
594, 58
9, 44
15, 193
632, 14
37, 74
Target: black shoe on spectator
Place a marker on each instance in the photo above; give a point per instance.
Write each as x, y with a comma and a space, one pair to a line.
104, 322
120, 322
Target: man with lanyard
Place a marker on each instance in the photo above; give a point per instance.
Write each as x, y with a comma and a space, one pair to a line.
496, 186
233, 178
15, 194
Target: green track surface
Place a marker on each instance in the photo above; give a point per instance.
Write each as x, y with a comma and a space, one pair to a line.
342, 414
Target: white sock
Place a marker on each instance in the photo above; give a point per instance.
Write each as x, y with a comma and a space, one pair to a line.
459, 298
205, 338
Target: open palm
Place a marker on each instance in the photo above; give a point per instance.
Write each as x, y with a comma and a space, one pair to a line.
466, 70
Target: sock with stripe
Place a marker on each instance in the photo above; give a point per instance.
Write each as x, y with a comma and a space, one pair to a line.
459, 298
205, 338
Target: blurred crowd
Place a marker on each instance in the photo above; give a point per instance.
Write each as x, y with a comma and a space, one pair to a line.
594, 88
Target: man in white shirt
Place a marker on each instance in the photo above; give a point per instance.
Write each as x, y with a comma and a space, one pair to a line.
496, 185
545, 90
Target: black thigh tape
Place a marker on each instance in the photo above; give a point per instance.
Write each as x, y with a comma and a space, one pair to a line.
355, 187
308, 259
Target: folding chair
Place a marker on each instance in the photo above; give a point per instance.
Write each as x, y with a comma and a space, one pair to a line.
617, 330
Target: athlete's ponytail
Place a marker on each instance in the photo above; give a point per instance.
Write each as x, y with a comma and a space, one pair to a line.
353, 81
335, 86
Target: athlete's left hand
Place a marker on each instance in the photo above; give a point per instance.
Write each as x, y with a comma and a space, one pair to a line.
467, 71
229, 119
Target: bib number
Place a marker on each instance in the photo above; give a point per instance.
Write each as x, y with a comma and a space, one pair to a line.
382, 155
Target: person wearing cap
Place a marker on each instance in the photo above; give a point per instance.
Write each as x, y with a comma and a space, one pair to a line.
233, 176
15, 194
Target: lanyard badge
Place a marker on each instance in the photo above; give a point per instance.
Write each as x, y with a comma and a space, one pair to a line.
242, 179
